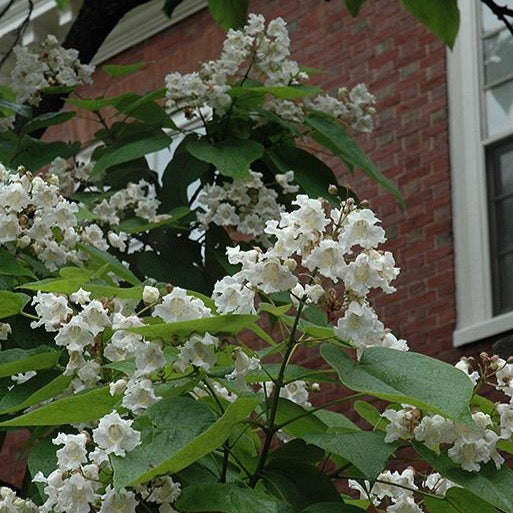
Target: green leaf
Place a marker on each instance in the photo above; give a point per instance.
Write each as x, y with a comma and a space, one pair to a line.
287, 410
231, 157
182, 431
491, 485
44, 120
366, 450
11, 266
333, 137
405, 377
34, 391
15, 108
313, 175
232, 324
107, 291
11, 303
299, 483
228, 13
354, 6
440, 16
292, 92
78, 408
55, 285
458, 500
226, 498
131, 151
371, 414
34, 154
120, 70
62, 4
102, 258
138, 225
16, 360
331, 507
98, 103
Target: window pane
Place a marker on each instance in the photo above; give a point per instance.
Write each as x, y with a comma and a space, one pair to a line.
505, 178
490, 21
498, 56
506, 282
499, 108
505, 224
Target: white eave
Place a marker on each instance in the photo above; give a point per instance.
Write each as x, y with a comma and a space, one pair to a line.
139, 24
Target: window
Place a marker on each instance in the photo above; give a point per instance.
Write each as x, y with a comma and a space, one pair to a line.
480, 79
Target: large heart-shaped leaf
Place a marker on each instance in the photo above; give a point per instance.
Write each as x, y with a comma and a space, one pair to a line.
181, 431
231, 157
405, 377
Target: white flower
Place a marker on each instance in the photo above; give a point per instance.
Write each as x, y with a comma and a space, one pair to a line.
199, 351
149, 357
139, 395
150, 294
76, 495
74, 452
404, 504
80, 297
401, 422
178, 306
438, 484
506, 419
270, 274
434, 430
5, 330
23, 377
115, 435
52, 310
328, 258
122, 501
95, 317
232, 296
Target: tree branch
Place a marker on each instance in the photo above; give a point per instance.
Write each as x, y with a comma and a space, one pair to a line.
502, 13
95, 21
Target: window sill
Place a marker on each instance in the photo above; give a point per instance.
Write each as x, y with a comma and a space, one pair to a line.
483, 329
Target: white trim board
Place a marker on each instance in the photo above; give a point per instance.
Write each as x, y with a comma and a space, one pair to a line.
475, 320
139, 24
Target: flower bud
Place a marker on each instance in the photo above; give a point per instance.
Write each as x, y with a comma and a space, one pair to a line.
150, 294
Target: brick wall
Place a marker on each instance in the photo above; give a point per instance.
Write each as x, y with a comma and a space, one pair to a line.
404, 65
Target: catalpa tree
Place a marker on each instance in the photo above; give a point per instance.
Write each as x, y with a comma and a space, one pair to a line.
149, 323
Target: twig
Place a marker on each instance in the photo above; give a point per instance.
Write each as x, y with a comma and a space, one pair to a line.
502, 13
19, 31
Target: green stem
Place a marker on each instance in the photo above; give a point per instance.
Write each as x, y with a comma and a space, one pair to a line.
270, 429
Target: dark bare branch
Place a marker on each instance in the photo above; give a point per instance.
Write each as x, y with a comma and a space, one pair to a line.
503, 13
95, 21
19, 31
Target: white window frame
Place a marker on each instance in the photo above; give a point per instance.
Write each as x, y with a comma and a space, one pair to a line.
474, 304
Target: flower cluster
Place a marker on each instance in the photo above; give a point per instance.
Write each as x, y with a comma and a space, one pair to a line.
339, 246
36, 217
244, 204
138, 198
397, 490
11, 503
70, 173
263, 51
46, 65
76, 485
468, 446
